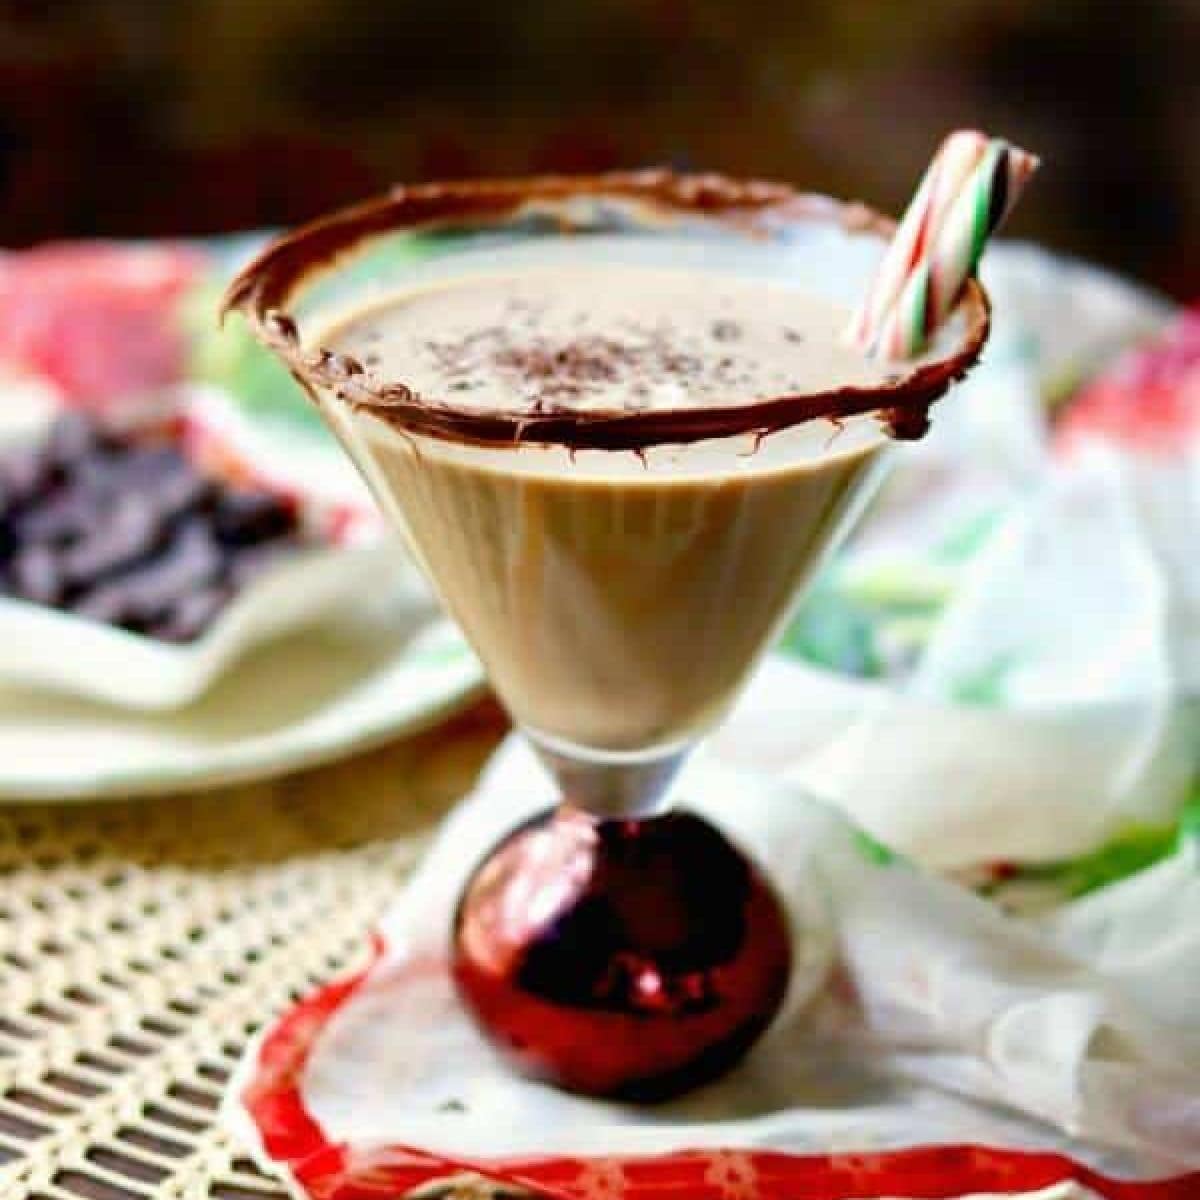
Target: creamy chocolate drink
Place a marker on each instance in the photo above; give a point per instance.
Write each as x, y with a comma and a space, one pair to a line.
617, 422
617, 597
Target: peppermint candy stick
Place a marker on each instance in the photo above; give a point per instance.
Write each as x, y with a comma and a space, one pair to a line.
959, 153
933, 288
954, 231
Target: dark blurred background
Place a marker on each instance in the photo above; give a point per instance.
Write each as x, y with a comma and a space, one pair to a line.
143, 117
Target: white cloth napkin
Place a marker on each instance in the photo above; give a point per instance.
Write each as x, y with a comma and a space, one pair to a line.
943, 1020
1084, 609
1081, 615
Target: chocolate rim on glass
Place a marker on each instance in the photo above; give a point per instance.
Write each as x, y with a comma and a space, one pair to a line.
619, 568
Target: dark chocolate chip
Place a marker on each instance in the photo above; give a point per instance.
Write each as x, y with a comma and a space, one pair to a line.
192, 615
24, 474
244, 517
68, 514
129, 534
72, 436
182, 493
192, 560
127, 469
36, 574
109, 603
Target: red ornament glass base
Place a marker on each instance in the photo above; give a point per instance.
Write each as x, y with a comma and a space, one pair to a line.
633, 958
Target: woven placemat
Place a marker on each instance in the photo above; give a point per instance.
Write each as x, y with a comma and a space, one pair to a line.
142, 943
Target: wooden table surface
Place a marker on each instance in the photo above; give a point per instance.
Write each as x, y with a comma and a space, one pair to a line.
142, 943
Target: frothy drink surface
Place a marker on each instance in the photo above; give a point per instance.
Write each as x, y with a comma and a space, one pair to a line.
607, 337
617, 599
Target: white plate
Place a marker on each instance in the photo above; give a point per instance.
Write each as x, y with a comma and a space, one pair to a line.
49, 648
304, 700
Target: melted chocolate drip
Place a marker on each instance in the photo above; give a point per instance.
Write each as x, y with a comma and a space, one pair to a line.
751, 208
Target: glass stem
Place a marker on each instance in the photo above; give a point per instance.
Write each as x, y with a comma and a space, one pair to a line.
612, 785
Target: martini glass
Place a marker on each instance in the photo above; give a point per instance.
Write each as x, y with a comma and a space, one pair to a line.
619, 574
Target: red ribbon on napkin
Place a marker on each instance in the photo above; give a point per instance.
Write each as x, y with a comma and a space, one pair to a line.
274, 1100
